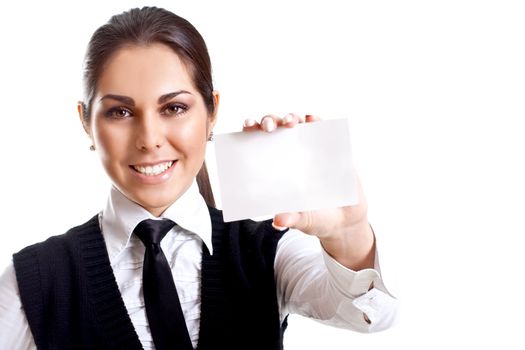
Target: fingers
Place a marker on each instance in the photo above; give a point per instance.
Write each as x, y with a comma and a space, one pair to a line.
271, 122
250, 125
268, 123
311, 118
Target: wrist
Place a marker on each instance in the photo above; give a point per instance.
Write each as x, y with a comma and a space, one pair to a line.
353, 247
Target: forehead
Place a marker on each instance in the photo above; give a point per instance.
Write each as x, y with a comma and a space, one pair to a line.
144, 70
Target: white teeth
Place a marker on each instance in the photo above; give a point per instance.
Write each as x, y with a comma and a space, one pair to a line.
153, 170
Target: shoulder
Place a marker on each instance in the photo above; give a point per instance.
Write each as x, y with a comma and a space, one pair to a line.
53, 246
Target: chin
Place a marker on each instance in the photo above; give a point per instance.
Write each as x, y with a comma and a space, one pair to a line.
155, 208
153, 202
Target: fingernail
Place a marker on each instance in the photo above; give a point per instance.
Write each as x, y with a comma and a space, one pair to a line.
279, 228
249, 123
268, 124
288, 118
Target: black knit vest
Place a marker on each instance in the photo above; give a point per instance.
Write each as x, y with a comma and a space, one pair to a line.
72, 301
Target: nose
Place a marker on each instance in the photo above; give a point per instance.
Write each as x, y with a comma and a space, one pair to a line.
150, 132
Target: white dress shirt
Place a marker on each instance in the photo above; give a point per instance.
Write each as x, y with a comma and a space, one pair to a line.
309, 281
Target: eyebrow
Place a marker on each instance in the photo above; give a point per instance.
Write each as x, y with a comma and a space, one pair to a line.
169, 96
130, 102
124, 99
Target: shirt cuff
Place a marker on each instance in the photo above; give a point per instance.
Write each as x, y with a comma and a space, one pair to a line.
378, 308
349, 282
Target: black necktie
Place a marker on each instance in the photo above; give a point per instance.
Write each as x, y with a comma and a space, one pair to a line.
165, 317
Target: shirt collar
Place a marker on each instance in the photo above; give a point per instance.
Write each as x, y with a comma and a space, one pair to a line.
121, 215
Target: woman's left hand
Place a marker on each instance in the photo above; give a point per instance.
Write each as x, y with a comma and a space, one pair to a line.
344, 232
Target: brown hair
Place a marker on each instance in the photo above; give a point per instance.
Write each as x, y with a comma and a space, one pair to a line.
145, 26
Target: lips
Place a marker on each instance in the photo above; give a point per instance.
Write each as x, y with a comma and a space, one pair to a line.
154, 169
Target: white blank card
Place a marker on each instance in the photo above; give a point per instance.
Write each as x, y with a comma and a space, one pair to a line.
304, 168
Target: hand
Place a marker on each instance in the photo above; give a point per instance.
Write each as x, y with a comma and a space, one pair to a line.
328, 223
271, 122
344, 232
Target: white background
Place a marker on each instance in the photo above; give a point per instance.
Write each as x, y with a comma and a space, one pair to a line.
434, 91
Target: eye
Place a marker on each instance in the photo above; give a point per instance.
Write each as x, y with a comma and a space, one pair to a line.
173, 109
118, 113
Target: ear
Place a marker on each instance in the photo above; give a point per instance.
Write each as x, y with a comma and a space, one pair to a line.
81, 108
213, 117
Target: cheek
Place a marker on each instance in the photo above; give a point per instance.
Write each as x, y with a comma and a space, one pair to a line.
110, 141
190, 138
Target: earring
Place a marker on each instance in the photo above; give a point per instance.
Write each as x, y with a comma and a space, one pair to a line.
210, 138
92, 148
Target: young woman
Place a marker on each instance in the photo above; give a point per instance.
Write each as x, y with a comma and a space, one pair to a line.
150, 109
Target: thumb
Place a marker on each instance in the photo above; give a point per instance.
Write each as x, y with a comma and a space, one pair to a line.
283, 220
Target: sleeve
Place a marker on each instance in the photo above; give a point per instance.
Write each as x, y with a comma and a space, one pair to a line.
14, 328
313, 284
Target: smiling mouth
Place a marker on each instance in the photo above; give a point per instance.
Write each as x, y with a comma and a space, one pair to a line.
154, 170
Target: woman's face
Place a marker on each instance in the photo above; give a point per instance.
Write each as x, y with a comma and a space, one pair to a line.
149, 125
